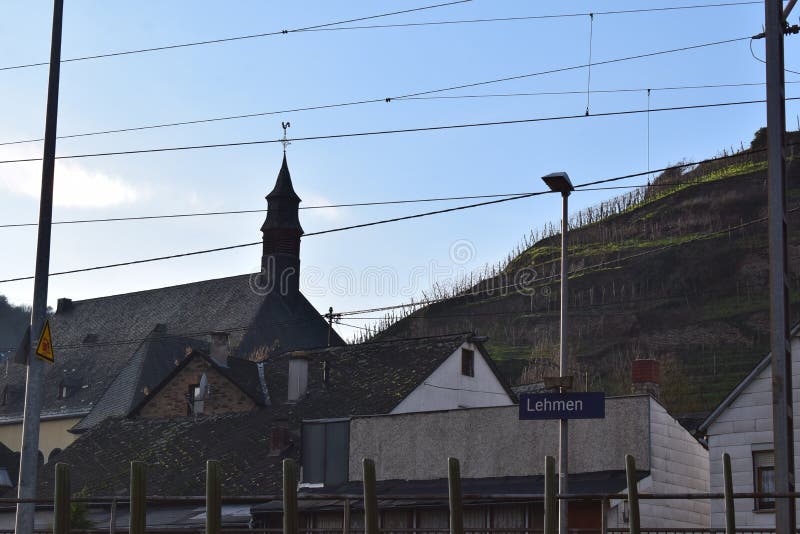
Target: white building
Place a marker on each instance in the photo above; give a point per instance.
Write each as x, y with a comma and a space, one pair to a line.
742, 426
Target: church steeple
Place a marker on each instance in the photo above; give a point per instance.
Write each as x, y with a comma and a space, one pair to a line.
280, 259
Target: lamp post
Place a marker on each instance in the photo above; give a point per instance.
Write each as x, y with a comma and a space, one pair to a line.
559, 182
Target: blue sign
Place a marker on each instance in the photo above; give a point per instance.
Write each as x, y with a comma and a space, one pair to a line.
562, 405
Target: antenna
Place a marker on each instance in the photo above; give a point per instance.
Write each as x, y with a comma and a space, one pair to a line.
285, 141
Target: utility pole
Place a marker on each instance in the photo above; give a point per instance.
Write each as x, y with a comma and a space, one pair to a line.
780, 343
29, 459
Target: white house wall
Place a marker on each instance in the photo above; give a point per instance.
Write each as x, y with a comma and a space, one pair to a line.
446, 388
678, 464
746, 423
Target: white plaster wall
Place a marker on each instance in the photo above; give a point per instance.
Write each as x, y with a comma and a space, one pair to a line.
748, 421
447, 389
678, 464
492, 442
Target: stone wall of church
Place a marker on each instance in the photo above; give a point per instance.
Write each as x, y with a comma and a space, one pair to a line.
172, 400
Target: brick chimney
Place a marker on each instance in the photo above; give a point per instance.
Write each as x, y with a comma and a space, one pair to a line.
646, 377
220, 349
298, 375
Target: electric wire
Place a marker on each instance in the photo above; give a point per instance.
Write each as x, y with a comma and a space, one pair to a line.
331, 26
243, 245
752, 53
420, 95
551, 278
355, 226
235, 38
349, 135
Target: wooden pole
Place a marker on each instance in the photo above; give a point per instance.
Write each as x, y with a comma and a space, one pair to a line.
633, 494
290, 521
138, 510
550, 502
454, 491
346, 517
370, 498
730, 512
213, 497
61, 508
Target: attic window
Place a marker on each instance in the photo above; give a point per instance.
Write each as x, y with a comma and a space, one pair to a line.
467, 362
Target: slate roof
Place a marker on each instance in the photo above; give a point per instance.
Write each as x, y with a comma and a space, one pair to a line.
176, 451
370, 378
126, 342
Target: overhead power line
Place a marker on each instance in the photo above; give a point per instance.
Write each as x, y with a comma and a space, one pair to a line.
419, 95
331, 26
368, 224
235, 38
243, 245
550, 279
397, 131
263, 210
581, 187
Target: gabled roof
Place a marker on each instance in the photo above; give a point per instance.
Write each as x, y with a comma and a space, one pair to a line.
741, 386
123, 323
244, 374
366, 379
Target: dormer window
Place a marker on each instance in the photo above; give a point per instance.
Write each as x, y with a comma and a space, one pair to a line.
467, 362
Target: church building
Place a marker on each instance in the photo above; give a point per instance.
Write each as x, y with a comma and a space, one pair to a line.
113, 352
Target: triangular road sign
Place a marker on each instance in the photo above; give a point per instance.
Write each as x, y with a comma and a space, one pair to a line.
44, 349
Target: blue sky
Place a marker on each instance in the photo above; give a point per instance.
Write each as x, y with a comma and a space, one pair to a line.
316, 68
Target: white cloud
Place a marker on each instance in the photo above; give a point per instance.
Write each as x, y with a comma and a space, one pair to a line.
75, 185
323, 214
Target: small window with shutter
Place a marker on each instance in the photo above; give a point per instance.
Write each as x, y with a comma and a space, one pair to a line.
467, 362
764, 478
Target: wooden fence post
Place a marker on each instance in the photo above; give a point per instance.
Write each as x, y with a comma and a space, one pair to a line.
730, 511
213, 497
370, 498
61, 500
633, 494
550, 502
138, 505
454, 492
290, 520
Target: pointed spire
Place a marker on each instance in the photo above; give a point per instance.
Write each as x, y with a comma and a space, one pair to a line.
283, 185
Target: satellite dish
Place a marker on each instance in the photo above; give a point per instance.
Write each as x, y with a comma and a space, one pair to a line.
202, 389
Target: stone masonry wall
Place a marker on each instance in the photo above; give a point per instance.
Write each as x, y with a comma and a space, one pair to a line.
223, 397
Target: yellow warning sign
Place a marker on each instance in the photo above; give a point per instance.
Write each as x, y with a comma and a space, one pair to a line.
44, 349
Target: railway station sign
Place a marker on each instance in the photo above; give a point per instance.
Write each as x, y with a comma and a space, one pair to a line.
585, 405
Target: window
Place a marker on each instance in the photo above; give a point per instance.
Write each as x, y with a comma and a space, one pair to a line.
764, 478
467, 362
196, 400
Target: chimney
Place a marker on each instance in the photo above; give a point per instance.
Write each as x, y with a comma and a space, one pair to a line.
298, 375
220, 350
646, 377
63, 305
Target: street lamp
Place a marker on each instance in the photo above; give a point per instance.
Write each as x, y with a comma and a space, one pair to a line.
559, 182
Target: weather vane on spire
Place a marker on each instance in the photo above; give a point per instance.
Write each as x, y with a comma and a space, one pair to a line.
285, 142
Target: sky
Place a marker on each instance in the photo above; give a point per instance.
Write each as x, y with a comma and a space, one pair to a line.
380, 265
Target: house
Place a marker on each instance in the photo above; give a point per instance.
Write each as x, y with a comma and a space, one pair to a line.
112, 352
262, 420
501, 455
742, 426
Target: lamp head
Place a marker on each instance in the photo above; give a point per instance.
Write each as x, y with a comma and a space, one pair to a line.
559, 182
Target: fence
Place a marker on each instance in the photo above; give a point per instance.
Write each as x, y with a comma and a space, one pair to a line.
286, 505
